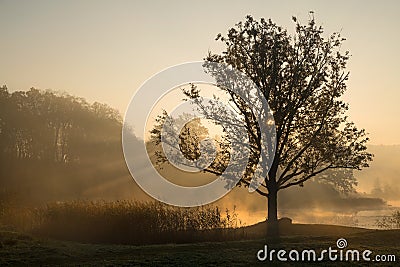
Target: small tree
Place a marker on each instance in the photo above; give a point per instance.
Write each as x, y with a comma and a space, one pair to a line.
302, 77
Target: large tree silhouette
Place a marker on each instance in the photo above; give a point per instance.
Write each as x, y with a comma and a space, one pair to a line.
303, 77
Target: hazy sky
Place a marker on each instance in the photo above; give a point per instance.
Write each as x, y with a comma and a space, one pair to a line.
104, 50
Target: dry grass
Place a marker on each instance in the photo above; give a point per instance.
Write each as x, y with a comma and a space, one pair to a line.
124, 222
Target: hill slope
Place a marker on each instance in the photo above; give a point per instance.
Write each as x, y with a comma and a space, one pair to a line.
21, 249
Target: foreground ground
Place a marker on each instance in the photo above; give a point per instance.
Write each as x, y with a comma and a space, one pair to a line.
22, 249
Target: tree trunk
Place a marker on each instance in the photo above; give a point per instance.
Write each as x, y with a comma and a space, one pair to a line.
273, 227
56, 136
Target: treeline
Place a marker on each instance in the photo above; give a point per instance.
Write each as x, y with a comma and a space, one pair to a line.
48, 126
55, 146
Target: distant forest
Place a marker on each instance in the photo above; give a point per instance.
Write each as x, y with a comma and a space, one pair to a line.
54, 146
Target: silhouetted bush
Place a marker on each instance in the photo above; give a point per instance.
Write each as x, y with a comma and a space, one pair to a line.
390, 222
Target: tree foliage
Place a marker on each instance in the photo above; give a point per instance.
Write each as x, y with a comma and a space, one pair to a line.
47, 126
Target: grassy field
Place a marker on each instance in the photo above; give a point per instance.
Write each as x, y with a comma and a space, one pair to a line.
21, 249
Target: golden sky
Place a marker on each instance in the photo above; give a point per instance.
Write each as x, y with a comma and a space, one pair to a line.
104, 50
